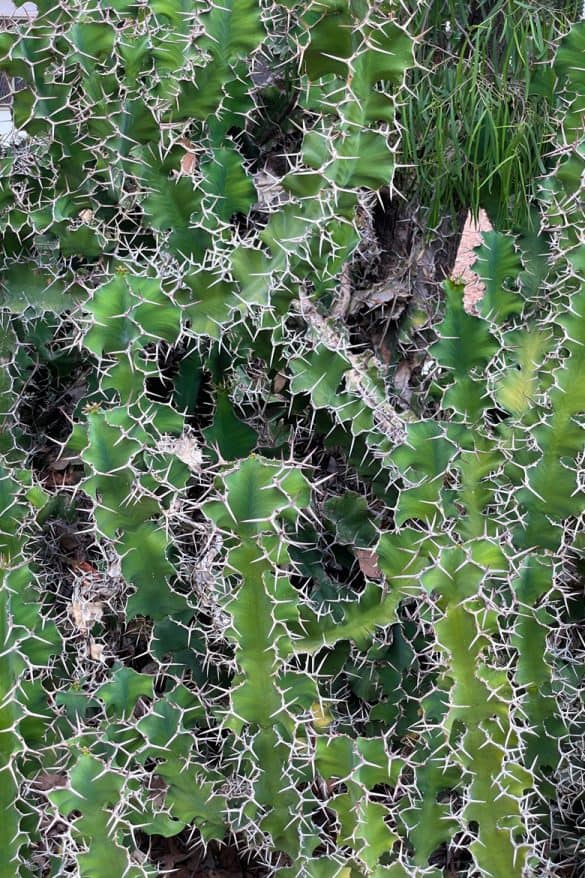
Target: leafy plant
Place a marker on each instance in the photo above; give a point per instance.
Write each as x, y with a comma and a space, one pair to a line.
250, 598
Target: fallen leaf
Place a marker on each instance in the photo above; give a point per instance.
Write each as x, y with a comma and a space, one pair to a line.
87, 568
471, 237
185, 447
387, 292
268, 189
65, 476
368, 561
85, 613
46, 781
279, 382
188, 163
189, 160
96, 651
402, 379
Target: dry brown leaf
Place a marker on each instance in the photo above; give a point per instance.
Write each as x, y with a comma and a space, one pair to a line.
85, 613
368, 561
96, 651
385, 293
185, 447
268, 189
279, 382
471, 238
189, 160
66, 476
402, 379
46, 781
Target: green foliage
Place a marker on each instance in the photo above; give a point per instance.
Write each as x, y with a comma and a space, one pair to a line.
27, 641
478, 111
261, 605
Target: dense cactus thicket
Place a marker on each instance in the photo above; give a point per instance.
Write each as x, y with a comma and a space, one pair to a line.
291, 539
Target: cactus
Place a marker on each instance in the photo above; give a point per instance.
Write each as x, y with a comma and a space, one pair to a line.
28, 642
299, 618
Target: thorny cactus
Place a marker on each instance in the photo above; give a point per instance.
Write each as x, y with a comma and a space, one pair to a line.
246, 599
